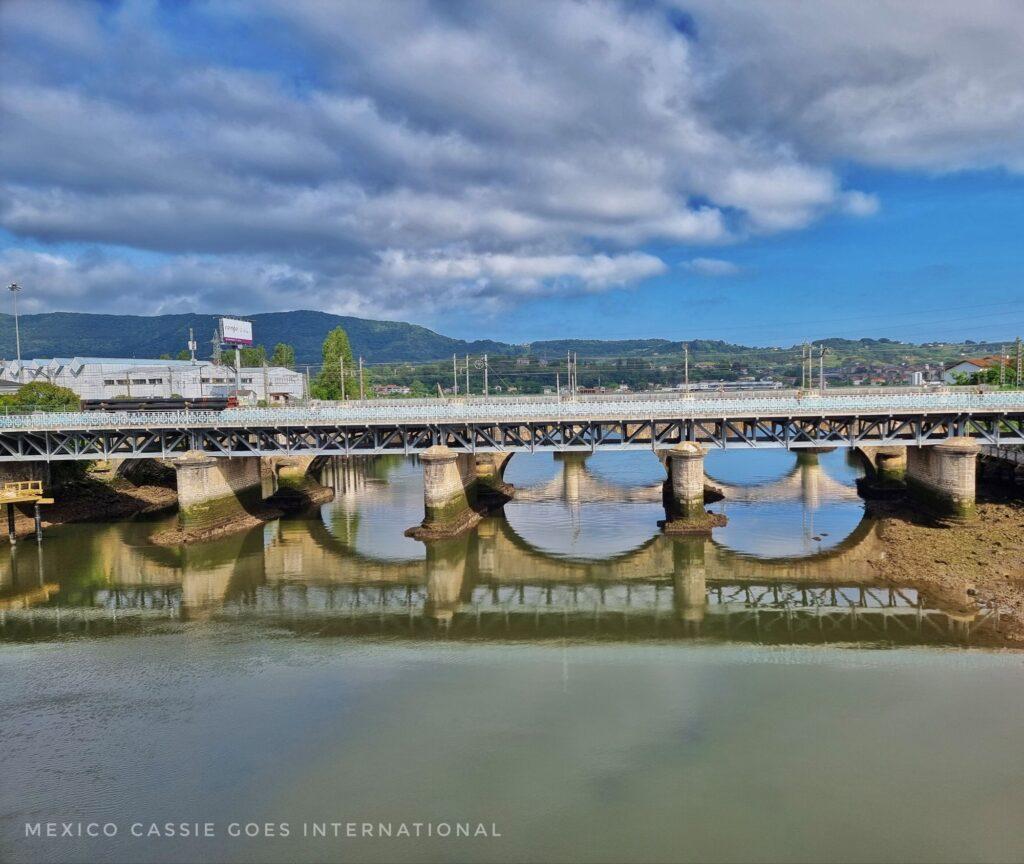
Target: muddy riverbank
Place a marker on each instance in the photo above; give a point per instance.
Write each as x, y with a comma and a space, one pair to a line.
92, 500
980, 563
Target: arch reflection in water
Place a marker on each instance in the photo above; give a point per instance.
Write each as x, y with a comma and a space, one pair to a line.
491, 584
801, 503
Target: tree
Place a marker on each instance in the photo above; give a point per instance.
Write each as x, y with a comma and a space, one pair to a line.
284, 355
183, 354
42, 396
336, 349
253, 355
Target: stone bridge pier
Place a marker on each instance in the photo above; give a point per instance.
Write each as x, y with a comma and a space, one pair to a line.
683, 492
216, 491
942, 477
459, 489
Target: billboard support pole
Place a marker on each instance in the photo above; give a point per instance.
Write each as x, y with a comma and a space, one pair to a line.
238, 371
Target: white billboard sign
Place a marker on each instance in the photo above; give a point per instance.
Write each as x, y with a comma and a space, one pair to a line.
236, 332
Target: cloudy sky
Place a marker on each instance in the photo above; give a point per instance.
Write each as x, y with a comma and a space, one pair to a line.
756, 171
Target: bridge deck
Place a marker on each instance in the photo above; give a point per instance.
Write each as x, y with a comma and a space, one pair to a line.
542, 409
778, 419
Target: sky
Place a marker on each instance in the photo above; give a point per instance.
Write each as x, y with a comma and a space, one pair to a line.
747, 170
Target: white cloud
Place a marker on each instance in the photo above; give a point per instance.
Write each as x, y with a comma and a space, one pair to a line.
523, 274
488, 149
936, 86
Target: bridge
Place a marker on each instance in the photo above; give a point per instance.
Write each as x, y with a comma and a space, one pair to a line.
464, 444
775, 419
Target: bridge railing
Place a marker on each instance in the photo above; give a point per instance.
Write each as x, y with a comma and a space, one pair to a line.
510, 409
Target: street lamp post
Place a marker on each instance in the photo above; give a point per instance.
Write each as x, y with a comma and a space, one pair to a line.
15, 289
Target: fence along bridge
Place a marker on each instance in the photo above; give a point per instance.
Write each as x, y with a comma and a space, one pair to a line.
778, 419
464, 444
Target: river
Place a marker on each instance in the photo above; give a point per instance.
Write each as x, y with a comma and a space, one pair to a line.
565, 682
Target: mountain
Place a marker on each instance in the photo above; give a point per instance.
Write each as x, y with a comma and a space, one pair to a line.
67, 334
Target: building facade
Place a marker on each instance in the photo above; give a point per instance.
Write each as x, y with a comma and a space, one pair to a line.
112, 378
970, 367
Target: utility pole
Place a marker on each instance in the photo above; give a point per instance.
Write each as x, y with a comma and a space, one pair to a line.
467, 375
15, 289
1002, 365
1020, 358
266, 382
821, 369
341, 369
486, 370
686, 366
192, 344
803, 366
455, 376
558, 387
308, 393
362, 394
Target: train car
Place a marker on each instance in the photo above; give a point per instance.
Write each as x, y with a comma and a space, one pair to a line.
157, 404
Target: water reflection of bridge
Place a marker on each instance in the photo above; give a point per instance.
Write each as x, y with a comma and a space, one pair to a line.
297, 575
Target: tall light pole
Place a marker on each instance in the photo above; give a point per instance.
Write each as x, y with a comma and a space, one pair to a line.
15, 289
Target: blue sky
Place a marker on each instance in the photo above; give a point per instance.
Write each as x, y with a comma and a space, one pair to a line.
752, 171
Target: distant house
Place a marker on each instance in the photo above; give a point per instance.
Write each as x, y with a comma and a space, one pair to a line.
969, 367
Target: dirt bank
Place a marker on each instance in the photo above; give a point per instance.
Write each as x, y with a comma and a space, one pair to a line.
92, 500
981, 562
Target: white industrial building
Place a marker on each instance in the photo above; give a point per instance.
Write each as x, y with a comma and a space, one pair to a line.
110, 378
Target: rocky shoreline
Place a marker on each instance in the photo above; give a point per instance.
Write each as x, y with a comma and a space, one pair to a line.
973, 565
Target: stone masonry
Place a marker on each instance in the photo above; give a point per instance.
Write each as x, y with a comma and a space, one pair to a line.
684, 492
213, 491
449, 493
942, 476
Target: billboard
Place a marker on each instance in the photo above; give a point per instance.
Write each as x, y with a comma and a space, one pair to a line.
236, 332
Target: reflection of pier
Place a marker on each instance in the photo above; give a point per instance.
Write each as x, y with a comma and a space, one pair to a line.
807, 482
492, 585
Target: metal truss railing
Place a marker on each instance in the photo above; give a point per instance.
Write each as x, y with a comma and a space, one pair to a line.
336, 439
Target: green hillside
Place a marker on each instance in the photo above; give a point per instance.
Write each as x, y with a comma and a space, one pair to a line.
65, 334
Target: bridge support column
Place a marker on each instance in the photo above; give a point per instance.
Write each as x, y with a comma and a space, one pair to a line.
214, 492
942, 477
886, 469
449, 494
684, 492
490, 471
296, 487
891, 465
